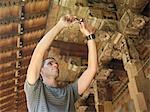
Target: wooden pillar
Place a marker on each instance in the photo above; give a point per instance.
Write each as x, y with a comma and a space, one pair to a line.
18, 55
99, 95
96, 98
108, 107
136, 87
139, 85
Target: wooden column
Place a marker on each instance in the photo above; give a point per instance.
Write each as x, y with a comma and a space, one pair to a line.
96, 98
99, 95
108, 107
139, 86
18, 54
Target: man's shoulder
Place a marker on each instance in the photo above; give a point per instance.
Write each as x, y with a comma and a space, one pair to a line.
36, 85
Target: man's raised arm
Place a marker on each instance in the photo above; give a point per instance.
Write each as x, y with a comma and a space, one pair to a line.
88, 75
33, 71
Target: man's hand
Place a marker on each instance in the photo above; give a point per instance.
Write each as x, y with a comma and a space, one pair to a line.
67, 20
86, 29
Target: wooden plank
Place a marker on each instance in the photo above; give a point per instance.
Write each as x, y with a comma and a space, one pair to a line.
9, 104
15, 33
33, 7
7, 98
5, 77
70, 46
7, 56
76, 54
25, 56
15, 19
6, 92
67, 48
10, 56
7, 3
5, 85
8, 43
9, 109
8, 28
6, 68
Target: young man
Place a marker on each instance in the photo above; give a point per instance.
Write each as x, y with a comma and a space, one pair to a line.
44, 95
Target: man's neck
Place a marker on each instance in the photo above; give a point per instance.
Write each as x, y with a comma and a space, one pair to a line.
50, 82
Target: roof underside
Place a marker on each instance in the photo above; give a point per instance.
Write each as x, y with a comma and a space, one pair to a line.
23, 24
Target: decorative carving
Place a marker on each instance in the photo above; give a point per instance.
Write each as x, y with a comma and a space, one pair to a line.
145, 33
108, 25
103, 74
147, 71
132, 50
117, 54
102, 9
106, 54
138, 23
103, 35
131, 23
101, 91
125, 53
136, 5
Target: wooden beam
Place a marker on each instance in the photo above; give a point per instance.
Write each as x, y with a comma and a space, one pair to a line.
5, 99
13, 19
69, 46
73, 49
7, 3
5, 77
9, 105
12, 65
6, 92
29, 30
10, 56
73, 53
9, 84
70, 49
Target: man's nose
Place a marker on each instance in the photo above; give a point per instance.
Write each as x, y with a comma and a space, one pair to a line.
55, 65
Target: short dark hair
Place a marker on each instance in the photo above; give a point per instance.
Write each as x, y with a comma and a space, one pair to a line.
47, 59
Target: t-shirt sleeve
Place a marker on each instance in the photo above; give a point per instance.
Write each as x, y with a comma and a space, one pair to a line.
30, 90
73, 88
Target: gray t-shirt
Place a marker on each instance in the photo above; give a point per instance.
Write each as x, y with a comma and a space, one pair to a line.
42, 98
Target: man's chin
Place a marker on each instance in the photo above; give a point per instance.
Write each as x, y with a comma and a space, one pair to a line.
57, 71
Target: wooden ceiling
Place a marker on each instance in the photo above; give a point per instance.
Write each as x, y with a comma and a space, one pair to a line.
24, 22
22, 26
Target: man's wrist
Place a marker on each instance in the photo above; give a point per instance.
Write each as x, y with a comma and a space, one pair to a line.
60, 25
90, 37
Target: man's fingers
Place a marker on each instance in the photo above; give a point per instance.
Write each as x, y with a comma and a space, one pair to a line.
70, 19
75, 21
82, 25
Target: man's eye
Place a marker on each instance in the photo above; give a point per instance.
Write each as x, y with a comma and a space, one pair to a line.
50, 63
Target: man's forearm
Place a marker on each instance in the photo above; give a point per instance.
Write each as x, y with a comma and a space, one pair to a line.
87, 76
46, 41
92, 55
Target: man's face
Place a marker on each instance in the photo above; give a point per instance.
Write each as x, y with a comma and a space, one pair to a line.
50, 68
